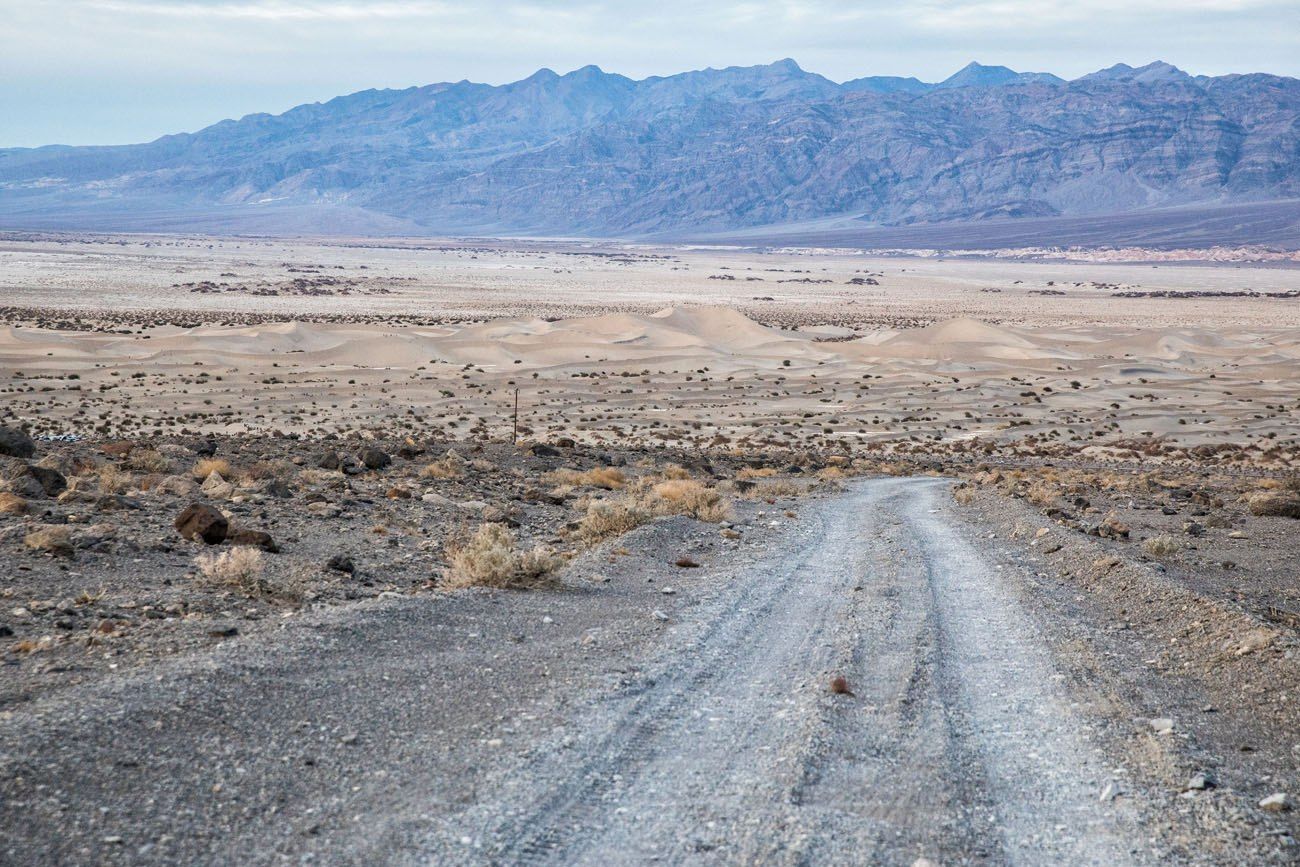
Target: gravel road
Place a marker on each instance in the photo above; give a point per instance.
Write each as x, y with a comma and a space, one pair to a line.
575, 727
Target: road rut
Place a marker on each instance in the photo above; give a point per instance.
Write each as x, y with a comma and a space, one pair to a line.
956, 744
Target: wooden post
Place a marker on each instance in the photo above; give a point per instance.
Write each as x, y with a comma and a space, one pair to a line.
515, 439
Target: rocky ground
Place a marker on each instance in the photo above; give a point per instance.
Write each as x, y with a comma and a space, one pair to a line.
101, 575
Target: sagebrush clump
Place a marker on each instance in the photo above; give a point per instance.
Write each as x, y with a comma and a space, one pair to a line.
609, 478
491, 558
605, 520
241, 568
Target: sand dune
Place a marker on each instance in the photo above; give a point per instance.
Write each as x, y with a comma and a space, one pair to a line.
680, 372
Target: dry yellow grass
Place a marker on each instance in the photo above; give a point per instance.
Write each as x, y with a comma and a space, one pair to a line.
443, 469
1161, 546
114, 480
605, 520
773, 489
491, 558
688, 497
205, 467
750, 473
1043, 494
964, 495
241, 568
609, 478
149, 461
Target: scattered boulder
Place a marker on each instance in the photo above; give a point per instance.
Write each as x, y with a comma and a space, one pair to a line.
375, 459
95, 535
322, 509
200, 522
217, 487
341, 563
205, 448
541, 450
180, 486
329, 460
1274, 504
12, 504
16, 443
1277, 802
1112, 528
47, 539
253, 538
116, 503
51, 481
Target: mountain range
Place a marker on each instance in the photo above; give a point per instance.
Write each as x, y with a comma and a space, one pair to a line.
716, 150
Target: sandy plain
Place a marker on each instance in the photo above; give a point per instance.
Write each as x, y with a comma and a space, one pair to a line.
119, 336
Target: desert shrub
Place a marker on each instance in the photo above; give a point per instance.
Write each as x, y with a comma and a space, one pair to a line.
280, 470
750, 473
608, 478
1042, 494
964, 495
241, 568
444, 468
205, 467
673, 471
1161, 546
114, 480
490, 558
687, 497
605, 520
773, 489
831, 474
310, 476
149, 461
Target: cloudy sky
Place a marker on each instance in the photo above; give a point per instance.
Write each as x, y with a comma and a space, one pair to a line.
112, 71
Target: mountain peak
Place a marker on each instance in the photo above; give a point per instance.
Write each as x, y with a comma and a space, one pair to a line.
1153, 72
541, 75
975, 74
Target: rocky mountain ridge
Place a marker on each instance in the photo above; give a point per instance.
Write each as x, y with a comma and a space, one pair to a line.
596, 153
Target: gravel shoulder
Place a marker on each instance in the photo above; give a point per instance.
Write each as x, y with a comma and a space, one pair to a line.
645, 711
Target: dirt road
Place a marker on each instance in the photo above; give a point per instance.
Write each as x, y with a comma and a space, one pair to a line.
651, 717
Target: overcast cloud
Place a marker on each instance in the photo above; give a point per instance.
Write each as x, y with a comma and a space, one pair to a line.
114, 71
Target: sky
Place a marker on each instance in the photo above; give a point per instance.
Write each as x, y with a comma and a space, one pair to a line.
119, 71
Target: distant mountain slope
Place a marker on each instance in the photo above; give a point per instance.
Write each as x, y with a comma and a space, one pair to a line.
595, 153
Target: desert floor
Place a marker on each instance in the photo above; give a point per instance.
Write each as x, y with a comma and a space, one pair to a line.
1080, 590
117, 337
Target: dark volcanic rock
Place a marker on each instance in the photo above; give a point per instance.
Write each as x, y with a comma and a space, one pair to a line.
254, 538
16, 443
199, 522
341, 563
375, 459
51, 481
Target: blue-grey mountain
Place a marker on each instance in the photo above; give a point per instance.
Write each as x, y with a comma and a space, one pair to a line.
596, 153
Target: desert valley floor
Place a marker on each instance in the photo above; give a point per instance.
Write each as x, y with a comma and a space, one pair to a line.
1039, 510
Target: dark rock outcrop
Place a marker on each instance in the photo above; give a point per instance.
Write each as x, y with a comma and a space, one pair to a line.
202, 523
16, 443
